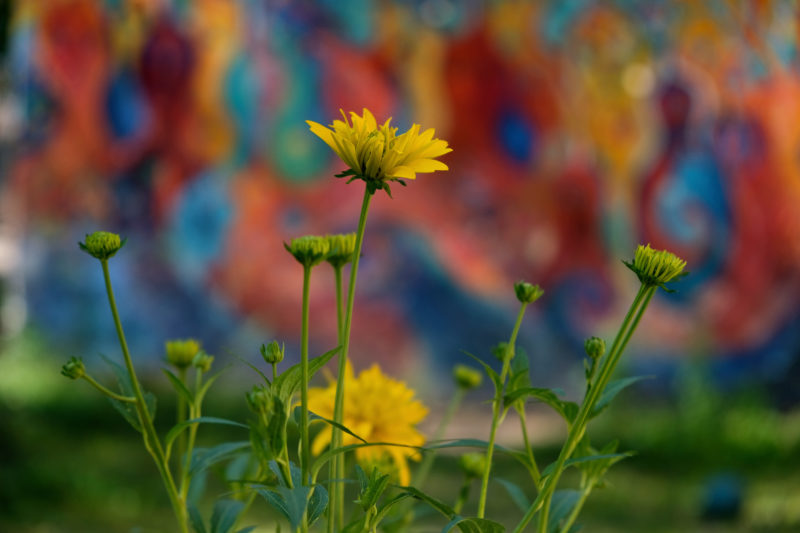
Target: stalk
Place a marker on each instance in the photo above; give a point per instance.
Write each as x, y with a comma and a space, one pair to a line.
338, 412
306, 446
151, 441
534, 469
578, 427
194, 412
337, 463
497, 406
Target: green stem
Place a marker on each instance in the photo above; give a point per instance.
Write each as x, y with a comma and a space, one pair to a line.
578, 427
151, 441
463, 494
338, 412
336, 518
195, 411
573, 515
305, 453
534, 469
109, 393
497, 406
181, 416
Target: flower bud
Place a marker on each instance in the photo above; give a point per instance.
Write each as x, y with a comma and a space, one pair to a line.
308, 250
181, 352
655, 267
473, 464
202, 361
272, 353
73, 369
527, 292
595, 347
341, 249
102, 244
259, 400
467, 377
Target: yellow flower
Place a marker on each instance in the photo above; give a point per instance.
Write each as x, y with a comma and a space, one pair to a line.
377, 154
377, 408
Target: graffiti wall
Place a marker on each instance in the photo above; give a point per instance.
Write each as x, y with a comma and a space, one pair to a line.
579, 129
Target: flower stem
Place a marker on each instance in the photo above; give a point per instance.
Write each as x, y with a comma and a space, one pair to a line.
305, 459
497, 406
195, 411
534, 469
181, 416
151, 441
578, 426
337, 464
109, 393
573, 515
338, 412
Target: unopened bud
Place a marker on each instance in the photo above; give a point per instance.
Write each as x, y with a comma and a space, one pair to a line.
308, 250
181, 352
595, 347
467, 377
272, 353
202, 361
102, 244
73, 369
473, 464
527, 292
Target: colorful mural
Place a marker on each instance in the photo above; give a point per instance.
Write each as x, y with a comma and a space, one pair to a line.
579, 129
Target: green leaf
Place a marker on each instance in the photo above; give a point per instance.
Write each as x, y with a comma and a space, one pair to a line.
179, 386
372, 491
224, 516
291, 503
520, 371
249, 529
477, 443
329, 454
568, 410
207, 384
177, 429
433, 502
586, 459
474, 525
197, 487
494, 376
289, 381
562, 504
312, 417
128, 412
515, 493
196, 519
611, 391
202, 458
317, 503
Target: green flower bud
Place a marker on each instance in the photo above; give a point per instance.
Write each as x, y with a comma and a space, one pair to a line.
73, 369
341, 249
527, 292
259, 400
272, 353
656, 267
500, 351
473, 464
595, 347
467, 377
309, 250
102, 244
202, 361
181, 352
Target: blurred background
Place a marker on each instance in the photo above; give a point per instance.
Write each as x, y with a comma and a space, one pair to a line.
579, 129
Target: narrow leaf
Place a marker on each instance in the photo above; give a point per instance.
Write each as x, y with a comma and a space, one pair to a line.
196, 519
179, 386
494, 376
202, 458
515, 493
474, 525
317, 503
289, 381
611, 391
177, 429
561, 505
586, 459
224, 516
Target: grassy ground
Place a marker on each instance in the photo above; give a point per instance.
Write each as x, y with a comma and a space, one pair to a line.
69, 463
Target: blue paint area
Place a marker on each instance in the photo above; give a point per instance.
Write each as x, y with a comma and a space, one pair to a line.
198, 228
517, 136
127, 111
242, 94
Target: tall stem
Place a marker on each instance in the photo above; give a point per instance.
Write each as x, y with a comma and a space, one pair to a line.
195, 411
578, 426
497, 406
338, 412
336, 518
305, 461
151, 441
181, 416
534, 469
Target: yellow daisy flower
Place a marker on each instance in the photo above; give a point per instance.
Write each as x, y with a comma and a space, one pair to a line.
377, 408
377, 154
